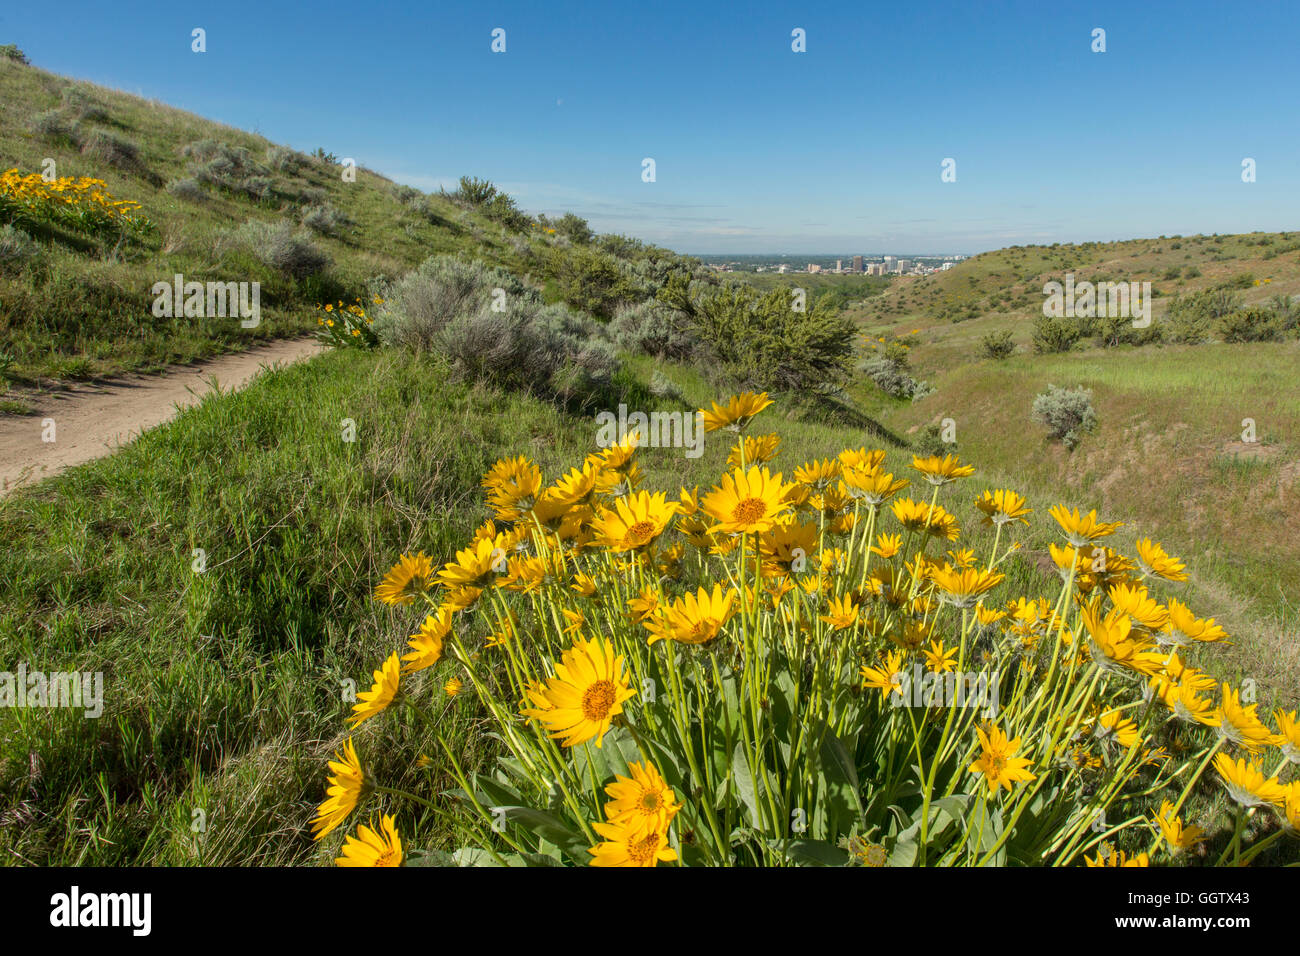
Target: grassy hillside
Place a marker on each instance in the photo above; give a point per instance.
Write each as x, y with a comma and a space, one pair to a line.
1168, 452
80, 307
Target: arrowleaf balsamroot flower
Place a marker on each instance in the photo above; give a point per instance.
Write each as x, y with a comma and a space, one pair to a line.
1082, 529
344, 790
1179, 836
998, 763
380, 695
634, 522
1246, 783
738, 412
940, 471
694, 618
746, 501
1002, 507
628, 845
373, 846
643, 801
409, 578
426, 647
1153, 560
585, 695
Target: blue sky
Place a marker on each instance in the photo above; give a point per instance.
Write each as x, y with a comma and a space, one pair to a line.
757, 148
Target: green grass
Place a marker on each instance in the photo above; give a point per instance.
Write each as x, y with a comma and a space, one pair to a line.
82, 309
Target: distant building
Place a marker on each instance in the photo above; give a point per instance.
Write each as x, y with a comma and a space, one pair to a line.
857, 263
782, 268
839, 265
813, 267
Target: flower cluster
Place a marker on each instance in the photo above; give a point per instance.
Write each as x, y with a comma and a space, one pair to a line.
347, 326
825, 667
77, 203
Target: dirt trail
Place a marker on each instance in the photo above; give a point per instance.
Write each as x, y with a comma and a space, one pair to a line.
92, 420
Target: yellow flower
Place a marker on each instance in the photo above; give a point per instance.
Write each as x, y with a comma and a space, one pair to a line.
694, 619
644, 604
739, 411
940, 471
626, 845
380, 695
1081, 529
426, 647
585, 695
1109, 856
787, 548
453, 686
1184, 627
843, 613
475, 566
1002, 507
1239, 723
1114, 726
1246, 783
757, 449
962, 588
634, 522
918, 516
887, 545
1137, 603
886, 678
641, 802
345, 787
938, 660
873, 486
410, 577
1288, 734
998, 761
1153, 560
584, 584
746, 502
370, 847
1178, 836
817, 474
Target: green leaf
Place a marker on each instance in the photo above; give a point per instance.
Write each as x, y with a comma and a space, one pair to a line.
817, 853
743, 778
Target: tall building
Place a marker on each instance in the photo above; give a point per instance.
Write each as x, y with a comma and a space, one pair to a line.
857, 263
839, 265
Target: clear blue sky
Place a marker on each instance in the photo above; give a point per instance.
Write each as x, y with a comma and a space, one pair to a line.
758, 148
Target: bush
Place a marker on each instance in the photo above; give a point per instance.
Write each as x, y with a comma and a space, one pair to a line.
1256, 324
1067, 413
16, 247
651, 328
11, 52
187, 188
110, 148
278, 246
1190, 319
661, 386
258, 187
997, 345
758, 340
324, 218
56, 126
447, 305
81, 106
591, 280
1055, 335
285, 160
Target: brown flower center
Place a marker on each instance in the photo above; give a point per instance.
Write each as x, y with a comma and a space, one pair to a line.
598, 699
749, 511
643, 850
641, 532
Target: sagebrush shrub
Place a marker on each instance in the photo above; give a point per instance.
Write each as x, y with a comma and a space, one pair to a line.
111, 148
278, 246
186, 188
1067, 413
654, 329
16, 247
323, 218
56, 126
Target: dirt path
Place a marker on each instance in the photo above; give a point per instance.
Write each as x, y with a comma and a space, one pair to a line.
92, 420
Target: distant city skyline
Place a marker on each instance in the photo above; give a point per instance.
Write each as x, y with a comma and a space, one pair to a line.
756, 147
